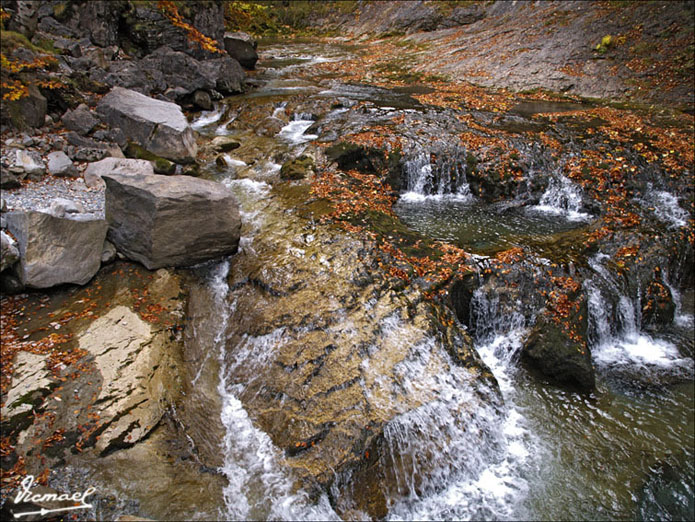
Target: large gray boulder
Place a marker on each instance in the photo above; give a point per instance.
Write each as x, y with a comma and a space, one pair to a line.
55, 250
170, 220
241, 47
184, 73
158, 126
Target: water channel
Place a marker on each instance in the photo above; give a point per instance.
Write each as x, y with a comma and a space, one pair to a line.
622, 452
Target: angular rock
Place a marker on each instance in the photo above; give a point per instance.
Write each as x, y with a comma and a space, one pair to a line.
224, 144
80, 120
556, 355
92, 175
8, 180
241, 47
31, 162
228, 74
181, 71
56, 250
202, 99
60, 207
10, 283
9, 254
59, 164
170, 220
158, 126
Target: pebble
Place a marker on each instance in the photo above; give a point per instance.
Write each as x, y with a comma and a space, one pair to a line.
40, 195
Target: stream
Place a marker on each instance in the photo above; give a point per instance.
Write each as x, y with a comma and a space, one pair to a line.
624, 451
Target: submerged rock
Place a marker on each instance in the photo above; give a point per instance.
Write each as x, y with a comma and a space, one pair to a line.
297, 168
158, 126
56, 250
170, 220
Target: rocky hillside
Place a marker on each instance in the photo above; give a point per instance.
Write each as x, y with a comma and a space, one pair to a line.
640, 51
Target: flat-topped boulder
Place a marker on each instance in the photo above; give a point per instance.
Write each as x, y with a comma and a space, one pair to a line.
158, 126
56, 250
164, 221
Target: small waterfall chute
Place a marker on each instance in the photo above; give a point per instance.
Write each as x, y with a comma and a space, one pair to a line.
617, 343
437, 174
563, 198
665, 207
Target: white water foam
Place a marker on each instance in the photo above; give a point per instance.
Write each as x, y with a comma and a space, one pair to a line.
208, 117
294, 131
624, 344
259, 487
665, 206
456, 456
562, 198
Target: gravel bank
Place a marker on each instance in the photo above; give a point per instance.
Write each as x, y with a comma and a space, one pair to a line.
39, 195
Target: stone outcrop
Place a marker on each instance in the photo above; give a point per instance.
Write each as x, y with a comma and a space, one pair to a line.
158, 126
56, 250
241, 47
170, 220
326, 358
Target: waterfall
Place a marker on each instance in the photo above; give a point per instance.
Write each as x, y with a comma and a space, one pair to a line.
622, 345
666, 208
445, 175
562, 197
454, 457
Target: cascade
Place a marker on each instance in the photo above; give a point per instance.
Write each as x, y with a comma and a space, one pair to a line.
666, 208
436, 174
622, 344
562, 197
209, 117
